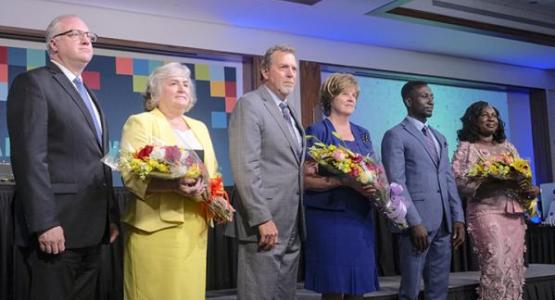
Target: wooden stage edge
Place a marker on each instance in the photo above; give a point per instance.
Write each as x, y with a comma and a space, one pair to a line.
463, 283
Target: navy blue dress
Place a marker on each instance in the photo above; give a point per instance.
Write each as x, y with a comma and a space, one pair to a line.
339, 251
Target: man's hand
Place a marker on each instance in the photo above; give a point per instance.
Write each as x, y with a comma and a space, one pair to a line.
458, 235
114, 232
268, 235
52, 241
419, 237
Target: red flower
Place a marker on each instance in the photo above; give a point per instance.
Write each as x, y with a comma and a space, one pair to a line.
145, 152
355, 172
172, 154
216, 186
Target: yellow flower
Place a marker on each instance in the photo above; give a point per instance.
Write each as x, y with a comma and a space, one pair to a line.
193, 172
522, 166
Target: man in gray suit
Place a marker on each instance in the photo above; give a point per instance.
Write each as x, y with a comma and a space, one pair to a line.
266, 151
415, 156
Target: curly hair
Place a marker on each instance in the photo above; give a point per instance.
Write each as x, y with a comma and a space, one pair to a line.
154, 84
470, 131
333, 86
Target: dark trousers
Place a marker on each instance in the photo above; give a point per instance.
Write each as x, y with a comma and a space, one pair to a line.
71, 275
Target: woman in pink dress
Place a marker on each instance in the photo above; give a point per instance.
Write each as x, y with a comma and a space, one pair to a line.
495, 216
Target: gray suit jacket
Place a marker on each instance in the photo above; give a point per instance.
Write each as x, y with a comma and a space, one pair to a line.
267, 170
429, 186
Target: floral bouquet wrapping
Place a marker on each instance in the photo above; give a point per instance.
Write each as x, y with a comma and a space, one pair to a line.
173, 162
219, 208
166, 162
341, 161
507, 166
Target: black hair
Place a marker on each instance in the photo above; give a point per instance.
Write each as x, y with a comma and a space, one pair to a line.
470, 131
409, 87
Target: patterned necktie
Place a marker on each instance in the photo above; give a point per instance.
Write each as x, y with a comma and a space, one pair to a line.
429, 141
287, 116
88, 103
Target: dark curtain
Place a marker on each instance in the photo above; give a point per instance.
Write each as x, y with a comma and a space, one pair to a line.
6, 242
540, 132
222, 256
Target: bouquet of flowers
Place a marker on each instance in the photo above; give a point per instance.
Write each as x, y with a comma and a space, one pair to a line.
219, 208
341, 161
167, 162
173, 162
507, 166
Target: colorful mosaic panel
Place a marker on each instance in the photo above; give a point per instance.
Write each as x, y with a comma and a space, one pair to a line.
3, 73
124, 66
3, 91
35, 58
119, 82
3, 55
91, 79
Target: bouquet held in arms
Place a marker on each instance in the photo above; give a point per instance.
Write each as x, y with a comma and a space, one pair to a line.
174, 162
507, 167
341, 161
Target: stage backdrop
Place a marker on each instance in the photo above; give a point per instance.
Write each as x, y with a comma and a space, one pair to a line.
380, 107
118, 79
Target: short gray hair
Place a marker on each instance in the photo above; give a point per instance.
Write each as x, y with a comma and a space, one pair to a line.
153, 87
52, 28
267, 59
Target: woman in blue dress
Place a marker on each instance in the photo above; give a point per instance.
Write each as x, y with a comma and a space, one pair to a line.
339, 250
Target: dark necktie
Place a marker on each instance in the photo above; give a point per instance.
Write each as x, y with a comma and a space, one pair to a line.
89, 104
429, 141
287, 116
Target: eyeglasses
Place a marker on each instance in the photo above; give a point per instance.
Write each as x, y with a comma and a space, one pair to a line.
75, 34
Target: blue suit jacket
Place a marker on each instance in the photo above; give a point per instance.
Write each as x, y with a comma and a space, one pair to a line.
429, 186
339, 198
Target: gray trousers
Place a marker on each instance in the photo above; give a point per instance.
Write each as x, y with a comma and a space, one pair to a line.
268, 275
433, 265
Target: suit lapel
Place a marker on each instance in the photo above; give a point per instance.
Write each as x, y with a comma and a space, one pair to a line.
272, 108
68, 87
441, 141
420, 137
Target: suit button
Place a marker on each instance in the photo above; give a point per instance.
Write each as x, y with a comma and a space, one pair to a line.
438, 191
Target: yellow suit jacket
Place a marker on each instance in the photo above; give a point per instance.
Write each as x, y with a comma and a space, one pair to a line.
155, 211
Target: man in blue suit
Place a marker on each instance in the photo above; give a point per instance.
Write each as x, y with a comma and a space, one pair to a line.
415, 156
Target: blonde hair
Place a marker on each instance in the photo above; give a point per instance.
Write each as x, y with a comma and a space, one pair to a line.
153, 88
333, 86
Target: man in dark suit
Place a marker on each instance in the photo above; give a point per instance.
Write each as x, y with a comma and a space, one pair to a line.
63, 191
266, 143
415, 156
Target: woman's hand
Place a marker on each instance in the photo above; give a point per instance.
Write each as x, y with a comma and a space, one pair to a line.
528, 190
310, 167
192, 188
368, 191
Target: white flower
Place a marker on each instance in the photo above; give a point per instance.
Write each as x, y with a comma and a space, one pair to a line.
158, 153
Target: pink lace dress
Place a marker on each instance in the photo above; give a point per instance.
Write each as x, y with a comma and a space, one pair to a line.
495, 223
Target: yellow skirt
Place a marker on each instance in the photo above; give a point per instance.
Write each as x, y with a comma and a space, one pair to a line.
166, 264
